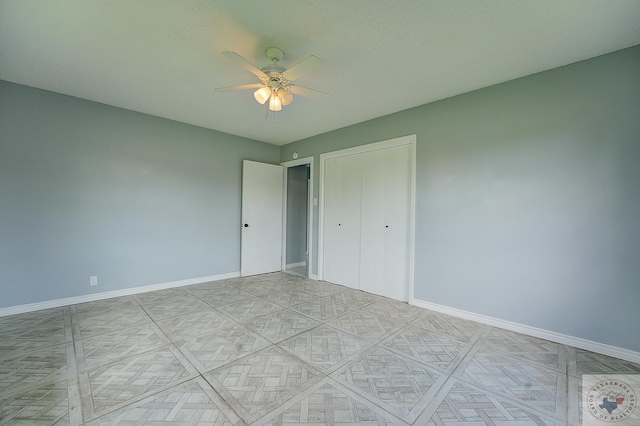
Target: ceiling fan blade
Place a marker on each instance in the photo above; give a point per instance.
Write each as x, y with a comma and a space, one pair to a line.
243, 63
240, 87
305, 66
309, 93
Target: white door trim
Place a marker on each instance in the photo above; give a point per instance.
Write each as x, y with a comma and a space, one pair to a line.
403, 140
286, 165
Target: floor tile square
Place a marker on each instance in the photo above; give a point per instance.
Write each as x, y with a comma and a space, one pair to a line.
179, 304
12, 347
322, 309
530, 383
105, 348
366, 325
194, 324
34, 366
400, 385
99, 317
354, 298
258, 383
40, 327
289, 298
329, 405
219, 295
395, 310
320, 288
465, 404
280, 325
160, 296
106, 306
263, 287
221, 347
248, 309
210, 288
47, 325
190, 403
521, 346
46, 404
129, 379
326, 348
426, 346
457, 328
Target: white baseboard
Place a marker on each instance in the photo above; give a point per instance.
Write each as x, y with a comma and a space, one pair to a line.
296, 265
313, 277
552, 336
30, 307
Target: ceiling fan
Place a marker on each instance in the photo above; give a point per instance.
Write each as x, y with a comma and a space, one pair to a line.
276, 87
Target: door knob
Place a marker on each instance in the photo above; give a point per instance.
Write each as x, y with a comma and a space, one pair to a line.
246, 225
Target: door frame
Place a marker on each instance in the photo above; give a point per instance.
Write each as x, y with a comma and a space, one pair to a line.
390, 143
286, 165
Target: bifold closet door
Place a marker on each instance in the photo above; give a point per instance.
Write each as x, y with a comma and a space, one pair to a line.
342, 192
386, 185
373, 222
397, 216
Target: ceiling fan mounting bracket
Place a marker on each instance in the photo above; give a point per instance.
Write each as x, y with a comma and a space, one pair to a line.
275, 54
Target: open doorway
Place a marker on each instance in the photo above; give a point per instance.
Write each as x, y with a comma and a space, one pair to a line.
297, 214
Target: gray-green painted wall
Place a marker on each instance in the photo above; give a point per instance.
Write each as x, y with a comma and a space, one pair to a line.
528, 197
87, 189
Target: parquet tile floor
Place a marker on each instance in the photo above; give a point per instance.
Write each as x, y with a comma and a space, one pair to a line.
279, 349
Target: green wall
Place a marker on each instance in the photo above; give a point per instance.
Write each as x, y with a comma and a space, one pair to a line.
528, 197
87, 189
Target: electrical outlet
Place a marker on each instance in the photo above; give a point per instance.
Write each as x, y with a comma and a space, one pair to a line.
93, 280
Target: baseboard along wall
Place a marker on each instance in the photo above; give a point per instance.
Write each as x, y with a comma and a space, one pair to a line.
540, 333
30, 307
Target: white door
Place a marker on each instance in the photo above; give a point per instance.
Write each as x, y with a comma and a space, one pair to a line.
332, 252
373, 223
397, 218
262, 192
384, 262
342, 220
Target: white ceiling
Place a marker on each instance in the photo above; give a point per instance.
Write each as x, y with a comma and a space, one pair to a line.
164, 57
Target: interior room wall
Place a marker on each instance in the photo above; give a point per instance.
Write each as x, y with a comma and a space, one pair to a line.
297, 200
87, 189
528, 197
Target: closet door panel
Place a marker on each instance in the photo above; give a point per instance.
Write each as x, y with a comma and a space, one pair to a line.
397, 202
350, 222
332, 217
373, 222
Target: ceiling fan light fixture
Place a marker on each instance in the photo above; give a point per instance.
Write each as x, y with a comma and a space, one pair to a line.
274, 103
285, 96
262, 95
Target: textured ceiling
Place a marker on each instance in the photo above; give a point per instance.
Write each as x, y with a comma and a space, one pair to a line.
164, 57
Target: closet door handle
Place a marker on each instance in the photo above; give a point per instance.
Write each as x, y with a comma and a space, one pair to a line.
387, 226
246, 225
